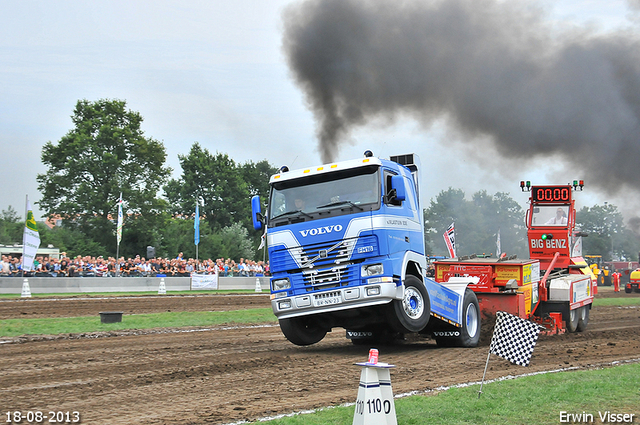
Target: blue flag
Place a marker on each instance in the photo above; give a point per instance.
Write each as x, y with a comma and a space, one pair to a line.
196, 226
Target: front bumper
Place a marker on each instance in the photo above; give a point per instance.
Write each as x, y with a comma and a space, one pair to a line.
336, 299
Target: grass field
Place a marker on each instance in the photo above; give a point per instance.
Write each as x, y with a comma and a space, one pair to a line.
543, 399
53, 326
48, 326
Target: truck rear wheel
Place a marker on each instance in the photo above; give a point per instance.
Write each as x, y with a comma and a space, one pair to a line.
583, 318
411, 313
468, 335
302, 330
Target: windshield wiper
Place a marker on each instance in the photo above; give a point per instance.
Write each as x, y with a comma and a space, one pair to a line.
291, 213
335, 204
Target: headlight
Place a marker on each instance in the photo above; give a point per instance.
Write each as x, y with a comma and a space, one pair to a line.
372, 270
283, 305
280, 284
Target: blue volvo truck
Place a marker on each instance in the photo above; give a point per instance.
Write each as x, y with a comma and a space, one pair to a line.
346, 250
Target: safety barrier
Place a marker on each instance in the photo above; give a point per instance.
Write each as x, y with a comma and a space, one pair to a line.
60, 285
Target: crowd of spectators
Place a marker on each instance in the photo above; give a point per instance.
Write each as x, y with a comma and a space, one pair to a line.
88, 266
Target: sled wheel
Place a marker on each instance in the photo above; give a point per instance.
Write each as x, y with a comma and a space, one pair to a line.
573, 320
583, 318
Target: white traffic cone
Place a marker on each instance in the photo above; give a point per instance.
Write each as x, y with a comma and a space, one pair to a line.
258, 287
375, 405
26, 291
162, 290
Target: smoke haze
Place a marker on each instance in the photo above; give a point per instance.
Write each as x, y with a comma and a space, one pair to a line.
492, 70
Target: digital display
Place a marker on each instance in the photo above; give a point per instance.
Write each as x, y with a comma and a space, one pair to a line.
551, 194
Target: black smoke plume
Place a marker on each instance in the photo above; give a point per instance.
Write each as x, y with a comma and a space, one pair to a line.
492, 70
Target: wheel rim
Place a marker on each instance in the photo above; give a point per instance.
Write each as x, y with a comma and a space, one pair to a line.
573, 315
472, 319
583, 313
413, 303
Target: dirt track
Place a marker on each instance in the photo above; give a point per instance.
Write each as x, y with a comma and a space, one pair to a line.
227, 374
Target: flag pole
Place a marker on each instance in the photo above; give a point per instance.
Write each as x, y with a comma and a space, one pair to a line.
485, 373
118, 235
26, 217
196, 228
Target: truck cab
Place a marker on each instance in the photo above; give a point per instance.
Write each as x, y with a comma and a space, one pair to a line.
346, 249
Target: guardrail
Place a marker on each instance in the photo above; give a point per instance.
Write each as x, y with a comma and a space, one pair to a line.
60, 285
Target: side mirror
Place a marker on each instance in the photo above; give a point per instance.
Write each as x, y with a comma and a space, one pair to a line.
256, 214
397, 186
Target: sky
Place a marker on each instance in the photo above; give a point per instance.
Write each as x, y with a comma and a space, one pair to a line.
215, 72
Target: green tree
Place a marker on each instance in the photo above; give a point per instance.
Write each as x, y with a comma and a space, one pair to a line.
11, 226
215, 182
224, 190
257, 176
105, 154
70, 240
477, 223
608, 235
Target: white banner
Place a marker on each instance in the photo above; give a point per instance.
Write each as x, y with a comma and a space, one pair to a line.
204, 281
120, 221
30, 240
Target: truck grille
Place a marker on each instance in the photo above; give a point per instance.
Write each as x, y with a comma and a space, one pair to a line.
322, 255
327, 265
333, 277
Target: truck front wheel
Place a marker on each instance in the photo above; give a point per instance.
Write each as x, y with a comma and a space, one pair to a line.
411, 313
302, 330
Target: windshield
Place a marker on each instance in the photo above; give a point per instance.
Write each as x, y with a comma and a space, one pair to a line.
340, 192
550, 215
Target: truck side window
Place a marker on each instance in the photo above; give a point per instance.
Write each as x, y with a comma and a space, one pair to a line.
412, 200
387, 189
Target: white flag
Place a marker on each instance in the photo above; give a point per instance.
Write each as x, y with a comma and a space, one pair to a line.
498, 248
450, 240
514, 338
119, 227
30, 240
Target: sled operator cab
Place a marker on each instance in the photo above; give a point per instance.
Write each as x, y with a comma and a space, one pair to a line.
568, 285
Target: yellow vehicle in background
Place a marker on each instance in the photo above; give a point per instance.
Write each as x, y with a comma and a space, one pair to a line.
634, 282
601, 270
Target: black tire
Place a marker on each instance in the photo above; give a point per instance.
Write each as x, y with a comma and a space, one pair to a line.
583, 320
627, 290
302, 330
572, 319
468, 335
412, 312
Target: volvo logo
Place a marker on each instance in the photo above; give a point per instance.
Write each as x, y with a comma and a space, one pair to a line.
447, 334
321, 230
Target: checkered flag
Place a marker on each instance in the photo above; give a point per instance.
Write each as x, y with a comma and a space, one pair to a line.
514, 338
